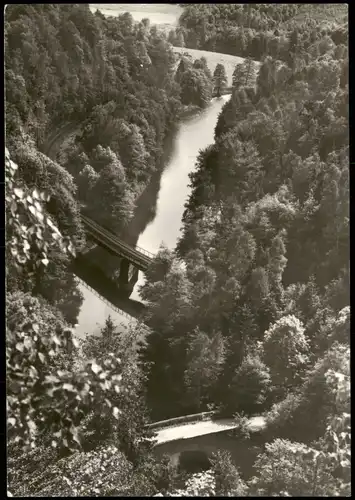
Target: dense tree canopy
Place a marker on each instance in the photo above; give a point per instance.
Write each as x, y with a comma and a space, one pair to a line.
104, 90
283, 31
111, 76
219, 79
265, 246
249, 314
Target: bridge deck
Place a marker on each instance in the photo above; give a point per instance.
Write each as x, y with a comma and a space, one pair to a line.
142, 259
201, 428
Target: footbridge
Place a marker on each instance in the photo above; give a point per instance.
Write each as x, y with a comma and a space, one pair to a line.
133, 259
196, 437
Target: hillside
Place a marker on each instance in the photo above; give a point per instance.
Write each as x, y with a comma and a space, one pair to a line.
258, 30
213, 58
247, 319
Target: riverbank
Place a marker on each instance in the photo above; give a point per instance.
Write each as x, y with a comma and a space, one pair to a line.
160, 207
189, 111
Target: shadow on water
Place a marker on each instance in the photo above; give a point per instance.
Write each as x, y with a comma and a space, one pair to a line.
145, 211
146, 204
194, 461
96, 278
158, 215
99, 269
144, 214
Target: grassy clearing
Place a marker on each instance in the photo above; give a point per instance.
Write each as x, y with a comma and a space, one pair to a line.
213, 58
166, 16
161, 14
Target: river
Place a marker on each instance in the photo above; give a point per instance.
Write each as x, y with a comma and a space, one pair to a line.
192, 135
158, 219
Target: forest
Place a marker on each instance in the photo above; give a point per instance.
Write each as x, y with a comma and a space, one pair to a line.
258, 30
116, 79
256, 321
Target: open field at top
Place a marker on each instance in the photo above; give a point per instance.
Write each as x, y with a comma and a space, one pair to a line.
213, 58
162, 14
166, 15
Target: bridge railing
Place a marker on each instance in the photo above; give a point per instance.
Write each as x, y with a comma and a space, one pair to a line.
94, 226
101, 297
145, 252
196, 417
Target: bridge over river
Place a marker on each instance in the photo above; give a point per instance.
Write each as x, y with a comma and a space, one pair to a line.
132, 259
193, 134
198, 436
138, 256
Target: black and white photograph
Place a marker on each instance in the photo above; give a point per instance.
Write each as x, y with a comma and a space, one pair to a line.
177, 250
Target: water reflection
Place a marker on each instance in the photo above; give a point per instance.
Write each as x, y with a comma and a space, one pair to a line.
146, 204
193, 135
158, 214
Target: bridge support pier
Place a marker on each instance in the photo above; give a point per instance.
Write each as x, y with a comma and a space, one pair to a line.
126, 279
124, 270
134, 277
123, 280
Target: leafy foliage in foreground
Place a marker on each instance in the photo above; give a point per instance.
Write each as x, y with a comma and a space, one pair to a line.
50, 393
128, 431
31, 233
50, 279
104, 471
45, 391
42, 395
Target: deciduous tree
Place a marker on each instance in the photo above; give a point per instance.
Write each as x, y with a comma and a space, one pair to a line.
205, 357
285, 352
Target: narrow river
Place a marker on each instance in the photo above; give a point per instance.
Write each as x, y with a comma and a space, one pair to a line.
193, 134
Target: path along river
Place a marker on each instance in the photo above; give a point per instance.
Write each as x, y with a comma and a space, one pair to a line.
193, 134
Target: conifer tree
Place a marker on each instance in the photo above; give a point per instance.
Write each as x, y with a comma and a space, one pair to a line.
219, 79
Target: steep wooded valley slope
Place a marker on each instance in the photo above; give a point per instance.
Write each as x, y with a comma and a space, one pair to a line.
258, 318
